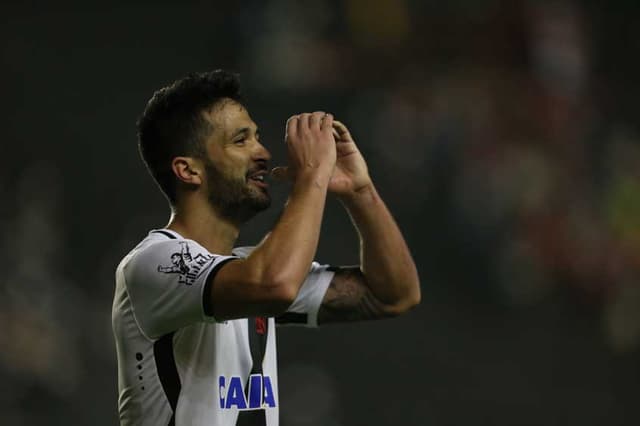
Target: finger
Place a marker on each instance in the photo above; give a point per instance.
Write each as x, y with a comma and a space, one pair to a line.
291, 128
339, 127
336, 135
303, 122
281, 173
327, 122
316, 118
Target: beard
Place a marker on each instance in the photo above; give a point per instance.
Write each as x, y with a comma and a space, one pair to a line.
234, 198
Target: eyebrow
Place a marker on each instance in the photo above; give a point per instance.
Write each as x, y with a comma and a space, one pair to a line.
243, 130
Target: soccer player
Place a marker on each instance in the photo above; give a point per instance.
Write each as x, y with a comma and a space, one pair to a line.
194, 319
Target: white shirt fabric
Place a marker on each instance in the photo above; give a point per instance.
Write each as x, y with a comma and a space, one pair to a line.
177, 365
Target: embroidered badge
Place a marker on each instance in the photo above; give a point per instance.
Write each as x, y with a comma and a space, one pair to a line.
186, 266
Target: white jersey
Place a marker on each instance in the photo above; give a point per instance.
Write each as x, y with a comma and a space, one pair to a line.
176, 364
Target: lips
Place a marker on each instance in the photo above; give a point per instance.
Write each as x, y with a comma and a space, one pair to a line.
258, 178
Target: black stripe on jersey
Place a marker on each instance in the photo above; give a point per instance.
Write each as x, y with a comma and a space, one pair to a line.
206, 293
258, 347
292, 318
167, 371
257, 343
168, 234
252, 418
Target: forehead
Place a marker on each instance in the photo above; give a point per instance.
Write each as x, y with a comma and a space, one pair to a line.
227, 116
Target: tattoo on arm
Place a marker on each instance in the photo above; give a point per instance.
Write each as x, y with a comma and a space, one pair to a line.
348, 298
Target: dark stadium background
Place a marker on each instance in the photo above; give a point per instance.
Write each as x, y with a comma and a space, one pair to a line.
504, 136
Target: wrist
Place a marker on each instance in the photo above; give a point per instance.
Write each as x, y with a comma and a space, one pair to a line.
360, 197
316, 177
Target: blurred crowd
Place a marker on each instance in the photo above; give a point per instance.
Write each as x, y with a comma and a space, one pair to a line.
496, 115
498, 132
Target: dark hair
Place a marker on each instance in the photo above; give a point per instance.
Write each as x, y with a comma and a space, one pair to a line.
172, 123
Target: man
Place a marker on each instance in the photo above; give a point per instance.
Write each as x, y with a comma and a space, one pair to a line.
193, 318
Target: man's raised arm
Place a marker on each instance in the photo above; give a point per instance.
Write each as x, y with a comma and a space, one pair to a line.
386, 283
268, 280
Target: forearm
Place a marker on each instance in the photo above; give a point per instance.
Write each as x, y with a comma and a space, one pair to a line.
285, 255
385, 259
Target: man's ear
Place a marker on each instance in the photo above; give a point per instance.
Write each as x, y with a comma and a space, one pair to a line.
188, 170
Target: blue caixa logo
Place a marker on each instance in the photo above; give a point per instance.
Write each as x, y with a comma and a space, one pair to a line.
257, 395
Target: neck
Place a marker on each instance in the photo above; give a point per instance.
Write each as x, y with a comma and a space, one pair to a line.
199, 221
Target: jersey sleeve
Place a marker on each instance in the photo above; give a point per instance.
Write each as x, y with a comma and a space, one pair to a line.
166, 282
304, 309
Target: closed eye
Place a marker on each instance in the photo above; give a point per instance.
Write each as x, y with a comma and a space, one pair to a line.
240, 136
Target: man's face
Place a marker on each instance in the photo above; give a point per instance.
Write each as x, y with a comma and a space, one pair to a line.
236, 166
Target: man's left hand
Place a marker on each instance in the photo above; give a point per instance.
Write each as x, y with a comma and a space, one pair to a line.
351, 174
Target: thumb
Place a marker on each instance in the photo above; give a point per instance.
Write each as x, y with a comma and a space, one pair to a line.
281, 174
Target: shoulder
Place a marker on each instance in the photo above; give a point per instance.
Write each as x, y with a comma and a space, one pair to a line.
159, 252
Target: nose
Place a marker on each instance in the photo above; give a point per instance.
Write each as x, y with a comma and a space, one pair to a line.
261, 153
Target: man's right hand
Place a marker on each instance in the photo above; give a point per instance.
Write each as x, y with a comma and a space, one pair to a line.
311, 147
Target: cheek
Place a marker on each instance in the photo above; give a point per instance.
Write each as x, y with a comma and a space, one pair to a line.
224, 162
236, 166
233, 170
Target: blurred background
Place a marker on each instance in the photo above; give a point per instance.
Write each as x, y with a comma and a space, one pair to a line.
502, 134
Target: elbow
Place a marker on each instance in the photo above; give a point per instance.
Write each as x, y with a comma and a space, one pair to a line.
406, 303
414, 296
414, 300
402, 307
282, 291
411, 302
